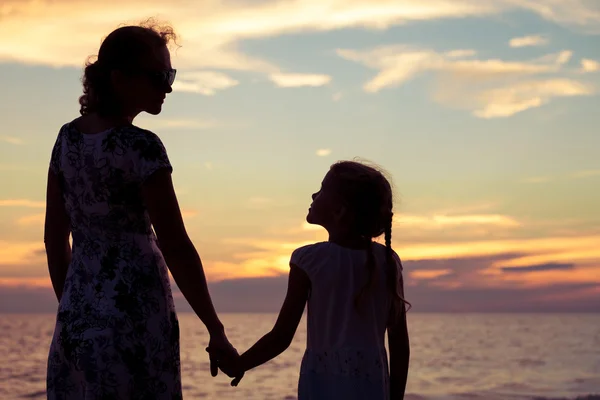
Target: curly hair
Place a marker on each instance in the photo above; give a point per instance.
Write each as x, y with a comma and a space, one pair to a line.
124, 48
368, 194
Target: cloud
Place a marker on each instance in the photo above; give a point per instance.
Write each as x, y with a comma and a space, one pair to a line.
258, 202
581, 15
12, 140
537, 179
575, 175
311, 227
22, 203
299, 80
489, 88
586, 173
20, 253
177, 124
439, 221
188, 213
525, 41
12, 167
24, 298
323, 152
588, 65
536, 250
397, 64
454, 271
429, 274
540, 267
266, 294
211, 33
35, 219
507, 101
203, 82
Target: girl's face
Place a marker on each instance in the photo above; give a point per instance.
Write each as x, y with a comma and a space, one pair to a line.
325, 209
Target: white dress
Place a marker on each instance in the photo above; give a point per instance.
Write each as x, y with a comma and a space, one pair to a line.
345, 356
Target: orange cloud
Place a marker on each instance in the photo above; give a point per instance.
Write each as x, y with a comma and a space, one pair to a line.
429, 274
16, 253
544, 278
441, 221
35, 219
26, 282
22, 203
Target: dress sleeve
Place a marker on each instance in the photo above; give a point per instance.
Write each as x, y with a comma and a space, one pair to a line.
304, 258
55, 163
150, 156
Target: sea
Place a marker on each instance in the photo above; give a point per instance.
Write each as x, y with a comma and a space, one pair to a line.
453, 357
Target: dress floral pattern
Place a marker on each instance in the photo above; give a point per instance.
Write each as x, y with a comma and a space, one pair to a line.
117, 333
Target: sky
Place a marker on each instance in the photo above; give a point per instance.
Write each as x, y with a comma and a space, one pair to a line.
484, 112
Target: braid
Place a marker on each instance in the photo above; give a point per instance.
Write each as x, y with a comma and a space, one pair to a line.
368, 195
370, 279
395, 283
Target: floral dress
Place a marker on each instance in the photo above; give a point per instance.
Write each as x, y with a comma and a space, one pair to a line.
117, 334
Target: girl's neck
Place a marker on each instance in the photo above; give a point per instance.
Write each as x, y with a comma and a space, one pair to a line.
351, 241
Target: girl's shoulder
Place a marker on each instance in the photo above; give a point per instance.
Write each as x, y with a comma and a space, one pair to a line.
310, 257
309, 250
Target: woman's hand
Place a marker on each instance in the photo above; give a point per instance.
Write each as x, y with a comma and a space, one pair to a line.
225, 357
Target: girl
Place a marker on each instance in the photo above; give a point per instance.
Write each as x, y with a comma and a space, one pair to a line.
354, 291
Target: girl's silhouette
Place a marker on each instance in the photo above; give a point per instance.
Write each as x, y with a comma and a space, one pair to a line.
354, 290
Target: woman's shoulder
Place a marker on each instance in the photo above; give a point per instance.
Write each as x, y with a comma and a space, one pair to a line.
87, 125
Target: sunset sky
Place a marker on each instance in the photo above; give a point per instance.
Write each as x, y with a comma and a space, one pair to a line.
485, 112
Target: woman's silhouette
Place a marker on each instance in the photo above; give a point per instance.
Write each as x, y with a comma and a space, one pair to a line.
109, 183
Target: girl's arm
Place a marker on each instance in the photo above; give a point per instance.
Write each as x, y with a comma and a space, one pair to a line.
57, 229
280, 337
399, 349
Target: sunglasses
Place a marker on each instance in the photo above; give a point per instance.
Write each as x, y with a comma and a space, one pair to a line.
158, 78
162, 78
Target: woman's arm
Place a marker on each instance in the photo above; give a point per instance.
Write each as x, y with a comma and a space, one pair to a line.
57, 230
177, 248
282, 334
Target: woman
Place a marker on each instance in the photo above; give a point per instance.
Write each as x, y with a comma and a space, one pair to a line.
109, 183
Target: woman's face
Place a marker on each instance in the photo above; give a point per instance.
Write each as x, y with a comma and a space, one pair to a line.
145, 88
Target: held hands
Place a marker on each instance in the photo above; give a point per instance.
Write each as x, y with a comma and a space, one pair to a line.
225, 357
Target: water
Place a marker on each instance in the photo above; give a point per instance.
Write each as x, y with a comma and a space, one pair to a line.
454, 356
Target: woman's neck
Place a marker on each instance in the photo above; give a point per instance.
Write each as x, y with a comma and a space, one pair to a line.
94, 123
